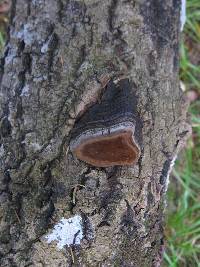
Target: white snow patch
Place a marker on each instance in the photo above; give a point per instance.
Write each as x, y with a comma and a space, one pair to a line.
67, 232
1, 150
85, 66
35, 2
36, 146
183, 13
45, 48
27, 34
25, 90
170, 169
10, 58
40, 78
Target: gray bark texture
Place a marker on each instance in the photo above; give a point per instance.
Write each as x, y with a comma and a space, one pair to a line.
59, 56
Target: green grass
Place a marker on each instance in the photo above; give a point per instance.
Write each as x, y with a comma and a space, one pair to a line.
2, 37
183, 222
189, 72
183, 212
1, 40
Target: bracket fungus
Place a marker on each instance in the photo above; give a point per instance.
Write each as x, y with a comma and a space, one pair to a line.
105, 135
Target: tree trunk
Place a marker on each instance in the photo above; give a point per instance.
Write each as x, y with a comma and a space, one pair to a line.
59, 57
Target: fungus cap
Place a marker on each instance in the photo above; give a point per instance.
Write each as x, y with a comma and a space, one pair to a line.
104, 135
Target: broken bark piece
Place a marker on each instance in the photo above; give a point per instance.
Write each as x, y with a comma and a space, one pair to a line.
104, 135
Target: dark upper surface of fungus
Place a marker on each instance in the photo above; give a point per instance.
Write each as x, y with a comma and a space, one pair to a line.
104, 135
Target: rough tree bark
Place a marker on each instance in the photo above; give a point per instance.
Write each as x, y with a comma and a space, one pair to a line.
59, 56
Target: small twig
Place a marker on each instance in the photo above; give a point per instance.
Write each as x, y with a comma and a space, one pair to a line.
72, 255
61, 61
75, 236
67, 150
17, 217
74, 195
74, 192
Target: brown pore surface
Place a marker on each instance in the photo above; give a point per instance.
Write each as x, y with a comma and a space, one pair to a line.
104, 151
